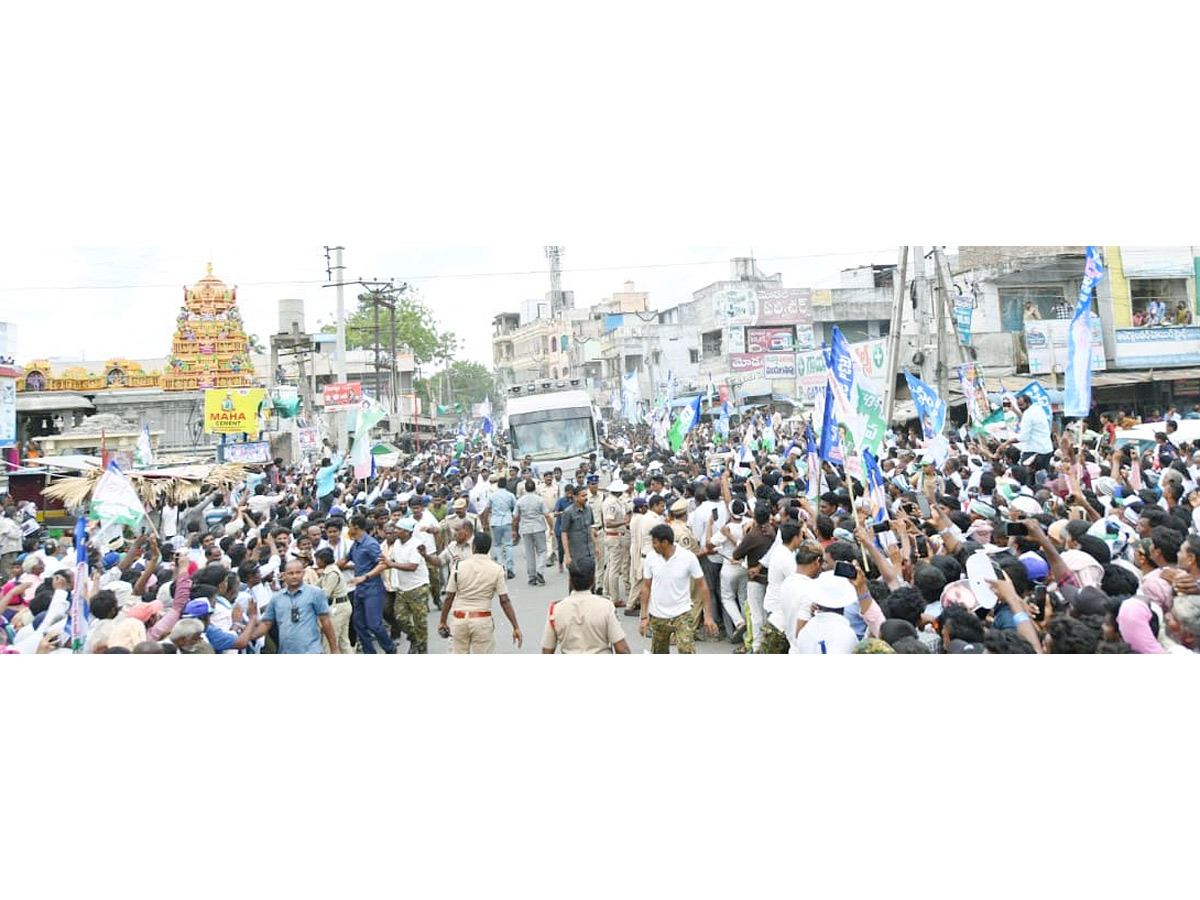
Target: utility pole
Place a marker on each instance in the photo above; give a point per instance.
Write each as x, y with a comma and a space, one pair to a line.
941, 370
920, 308
340, 360
900, 285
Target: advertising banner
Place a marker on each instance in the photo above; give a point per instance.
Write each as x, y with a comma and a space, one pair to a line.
248, 454
1145, 347
770, 340
785, 306
739, 307
1046, 345
779, 365
746, 363
230, 411
737, 339
343, 396
8, 412
310, 439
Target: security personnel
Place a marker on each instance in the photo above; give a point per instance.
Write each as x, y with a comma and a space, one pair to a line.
583, 623
595, 502
616, 543
653, 516
474, 583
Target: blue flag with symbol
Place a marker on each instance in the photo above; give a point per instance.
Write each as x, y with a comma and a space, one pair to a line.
814, 464
931, 409
1077, 399
1035, 392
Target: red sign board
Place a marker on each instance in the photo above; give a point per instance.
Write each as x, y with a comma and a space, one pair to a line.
343, 396
741, 363
785, 306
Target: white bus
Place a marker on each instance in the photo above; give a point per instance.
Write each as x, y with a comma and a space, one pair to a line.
554, 422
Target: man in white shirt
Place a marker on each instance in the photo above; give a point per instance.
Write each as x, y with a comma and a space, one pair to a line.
782, 565
407, 561
828, 632
668, 576
1033, 437
795, 597
725, 538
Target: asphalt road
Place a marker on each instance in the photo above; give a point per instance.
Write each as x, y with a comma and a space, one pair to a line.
531, 605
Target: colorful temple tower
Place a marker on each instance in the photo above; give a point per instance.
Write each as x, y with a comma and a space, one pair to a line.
210, 348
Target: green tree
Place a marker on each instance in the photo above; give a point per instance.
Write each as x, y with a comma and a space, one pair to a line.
463, 381
416, 328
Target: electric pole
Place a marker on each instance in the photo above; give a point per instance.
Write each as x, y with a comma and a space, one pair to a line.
900, 285
340, 358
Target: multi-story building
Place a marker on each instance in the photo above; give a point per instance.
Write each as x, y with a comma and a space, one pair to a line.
1014, 305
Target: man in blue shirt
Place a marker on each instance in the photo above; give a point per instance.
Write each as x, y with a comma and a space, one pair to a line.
366, 615
499, 518
302, 613
325, 481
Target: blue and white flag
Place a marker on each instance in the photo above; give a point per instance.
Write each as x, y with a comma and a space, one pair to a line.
1038, 395
77, 618
670, 387
931, 409
631, 396
710, 392
876, 490
722, 424
814, 464
688, 417
143, 453
1078, 394
831, 445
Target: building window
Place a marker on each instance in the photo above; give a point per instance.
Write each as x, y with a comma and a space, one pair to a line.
554, 372
553, 345
855, 332
693, 356
1159, 301
710, 343
1032, 302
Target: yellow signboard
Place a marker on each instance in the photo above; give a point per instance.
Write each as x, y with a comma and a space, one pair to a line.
232, 411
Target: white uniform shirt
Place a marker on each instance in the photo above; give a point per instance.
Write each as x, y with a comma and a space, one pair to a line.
783, 564
671, 582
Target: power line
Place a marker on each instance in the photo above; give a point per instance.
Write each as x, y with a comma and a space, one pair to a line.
448, 276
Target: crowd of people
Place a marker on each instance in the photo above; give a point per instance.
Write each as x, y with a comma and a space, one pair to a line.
1051, 542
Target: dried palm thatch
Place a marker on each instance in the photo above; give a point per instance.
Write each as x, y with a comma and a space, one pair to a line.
75, 491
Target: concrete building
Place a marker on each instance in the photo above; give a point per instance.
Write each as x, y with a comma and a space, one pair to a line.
1015, 304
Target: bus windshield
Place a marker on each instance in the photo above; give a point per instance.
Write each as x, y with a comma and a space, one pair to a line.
553, 434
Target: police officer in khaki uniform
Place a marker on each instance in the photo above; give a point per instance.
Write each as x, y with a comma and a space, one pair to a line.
646, 522
474, 583
616, 543
583, 623
595, 502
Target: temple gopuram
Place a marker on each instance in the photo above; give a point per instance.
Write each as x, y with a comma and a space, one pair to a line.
210, 349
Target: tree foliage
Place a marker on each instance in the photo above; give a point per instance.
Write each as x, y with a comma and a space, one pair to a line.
463, 381
416, 328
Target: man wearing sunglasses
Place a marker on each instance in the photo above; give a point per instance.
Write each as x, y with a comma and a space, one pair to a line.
302, 613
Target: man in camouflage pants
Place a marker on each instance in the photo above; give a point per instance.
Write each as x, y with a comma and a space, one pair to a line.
668, 577
411, 606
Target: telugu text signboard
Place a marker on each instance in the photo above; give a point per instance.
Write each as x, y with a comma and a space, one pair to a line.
785, 306
343, 396
1155, 347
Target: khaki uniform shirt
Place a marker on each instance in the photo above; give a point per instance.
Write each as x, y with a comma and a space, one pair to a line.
596, 505
452, 521
583, 623
475, 582
615, 512
684, 537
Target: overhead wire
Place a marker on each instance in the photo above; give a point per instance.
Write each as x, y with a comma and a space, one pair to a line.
447, 275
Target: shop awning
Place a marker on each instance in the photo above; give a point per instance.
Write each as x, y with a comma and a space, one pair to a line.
1142, 376
51, 401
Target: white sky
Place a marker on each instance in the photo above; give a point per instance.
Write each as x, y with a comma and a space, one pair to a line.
90, 321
